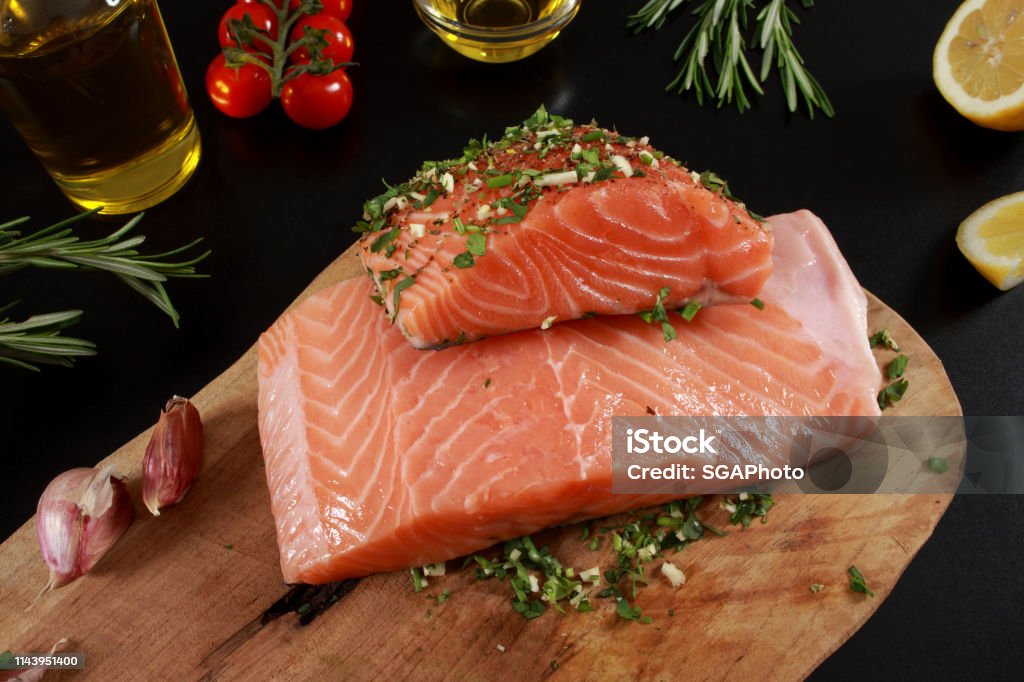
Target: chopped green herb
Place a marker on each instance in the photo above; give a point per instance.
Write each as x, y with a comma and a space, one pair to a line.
431, 197
659, 314
816, 587
443, 597
592, 136
500, 181
384, 240
690, 311
883, 339
938, 465
554, 665
892, 393
628, 612
229, 546
387, 275
857, 582
476, 243
397, 293
757, 303
463, 260
487, 382
377, 298
418, 581
460, 227
671, 612
586, 533
303, 609
896, 368
605, 172
749, 506
591, 156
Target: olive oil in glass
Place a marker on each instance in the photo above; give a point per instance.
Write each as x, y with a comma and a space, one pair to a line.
95, 91
497, 30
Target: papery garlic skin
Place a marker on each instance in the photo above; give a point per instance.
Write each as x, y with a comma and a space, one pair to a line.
174, 455
80, 515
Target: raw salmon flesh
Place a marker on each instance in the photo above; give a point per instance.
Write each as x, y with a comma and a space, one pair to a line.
380, 456
555, 222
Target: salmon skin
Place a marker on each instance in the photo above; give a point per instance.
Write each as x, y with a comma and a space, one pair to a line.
555, 222
379, 456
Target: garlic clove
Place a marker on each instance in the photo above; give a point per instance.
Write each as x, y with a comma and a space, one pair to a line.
174, 455
80, 515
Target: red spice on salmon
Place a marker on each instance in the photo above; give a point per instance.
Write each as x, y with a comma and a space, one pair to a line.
555, 222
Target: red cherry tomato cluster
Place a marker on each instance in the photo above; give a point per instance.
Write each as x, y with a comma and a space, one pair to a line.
305, 70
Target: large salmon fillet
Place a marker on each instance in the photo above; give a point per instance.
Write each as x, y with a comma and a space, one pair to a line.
380, 456
555, 222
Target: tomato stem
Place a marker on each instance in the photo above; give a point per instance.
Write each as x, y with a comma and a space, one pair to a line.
313, 40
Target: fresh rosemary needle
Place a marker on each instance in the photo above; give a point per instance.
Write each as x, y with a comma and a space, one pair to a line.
37, 340
714, 54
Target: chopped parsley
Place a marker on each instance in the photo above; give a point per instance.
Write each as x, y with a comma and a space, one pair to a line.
476, 243
896, 368
397, 293
883, 339
659, 314
500, 181
463, 260
748, 506
938, 464
892, 393
592, 136
537, 579
443, 597
857, 582
757, 303
487, 382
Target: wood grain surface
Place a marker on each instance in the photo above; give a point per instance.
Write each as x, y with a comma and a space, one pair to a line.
197, 592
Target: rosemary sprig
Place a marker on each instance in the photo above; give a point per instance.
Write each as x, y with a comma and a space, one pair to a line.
57, 247
775, 25
37, 340
721, 34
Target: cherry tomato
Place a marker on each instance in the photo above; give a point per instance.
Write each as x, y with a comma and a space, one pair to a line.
262, 16
339, 9
317, 102
239, 93
339, 39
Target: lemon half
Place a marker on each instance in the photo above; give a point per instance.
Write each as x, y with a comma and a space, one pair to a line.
992, 239
978, 63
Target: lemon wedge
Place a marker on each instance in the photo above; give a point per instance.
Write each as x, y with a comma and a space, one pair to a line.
978, 63
992, 239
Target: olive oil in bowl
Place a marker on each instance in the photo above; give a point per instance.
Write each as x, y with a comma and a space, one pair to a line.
496, 30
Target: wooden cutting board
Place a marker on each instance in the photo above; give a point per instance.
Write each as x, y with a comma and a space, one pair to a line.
197, 592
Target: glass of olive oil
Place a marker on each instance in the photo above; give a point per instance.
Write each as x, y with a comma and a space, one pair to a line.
496, 30
95, 91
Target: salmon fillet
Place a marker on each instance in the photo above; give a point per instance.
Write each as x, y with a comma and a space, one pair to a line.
379, 456
554, 223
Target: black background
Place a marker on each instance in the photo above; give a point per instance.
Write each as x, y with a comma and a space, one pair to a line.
892, 175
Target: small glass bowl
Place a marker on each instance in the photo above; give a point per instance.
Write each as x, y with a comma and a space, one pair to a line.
495, 45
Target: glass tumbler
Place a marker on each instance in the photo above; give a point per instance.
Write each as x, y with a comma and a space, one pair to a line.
95, 91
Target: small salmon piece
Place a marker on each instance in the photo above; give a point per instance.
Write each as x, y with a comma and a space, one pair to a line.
607, 246
380, 457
